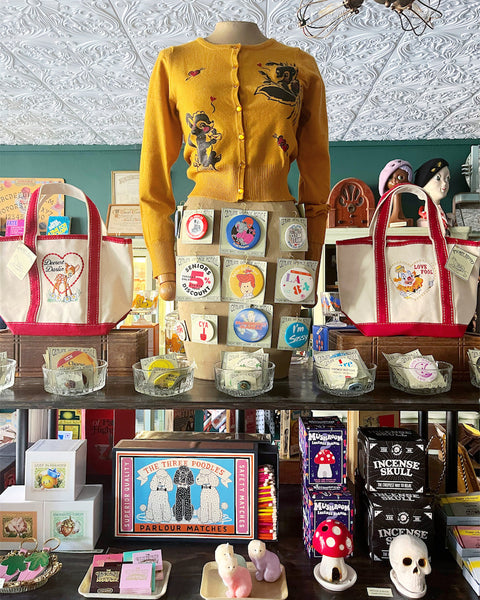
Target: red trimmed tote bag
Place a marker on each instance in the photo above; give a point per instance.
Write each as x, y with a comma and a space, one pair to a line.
399, 284
77, 284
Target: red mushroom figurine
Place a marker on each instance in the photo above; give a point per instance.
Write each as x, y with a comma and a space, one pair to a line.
334, 542
324, 459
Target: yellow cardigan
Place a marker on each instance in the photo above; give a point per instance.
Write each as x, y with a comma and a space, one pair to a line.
245, 114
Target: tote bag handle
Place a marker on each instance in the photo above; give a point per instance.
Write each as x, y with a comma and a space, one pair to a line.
436, 233
96, 229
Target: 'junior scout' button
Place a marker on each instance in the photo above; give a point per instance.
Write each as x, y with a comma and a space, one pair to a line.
297, 284
196, 226
250, 325
243, 232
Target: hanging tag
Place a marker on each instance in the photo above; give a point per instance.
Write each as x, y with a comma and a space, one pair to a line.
460, 262
21, 260
178, 220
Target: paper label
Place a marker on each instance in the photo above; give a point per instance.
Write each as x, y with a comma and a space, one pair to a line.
2, 581
21, 260
379, 592
460, 262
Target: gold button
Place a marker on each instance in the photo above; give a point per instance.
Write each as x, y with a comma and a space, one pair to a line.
241, 137
235, 85
242, 164
240, 191
239, 108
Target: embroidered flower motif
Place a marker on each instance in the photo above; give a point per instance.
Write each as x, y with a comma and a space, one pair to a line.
281, 141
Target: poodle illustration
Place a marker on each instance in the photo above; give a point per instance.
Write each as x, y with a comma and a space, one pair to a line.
209, 510
183, 507
158, 508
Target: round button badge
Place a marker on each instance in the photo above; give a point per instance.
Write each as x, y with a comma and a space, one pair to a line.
196, 226
246, 281
203, 330
250, 325
197, 280
297, 284
296, 334
243, 232
295, 236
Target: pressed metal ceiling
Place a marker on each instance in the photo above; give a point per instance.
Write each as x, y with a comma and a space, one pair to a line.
77, 71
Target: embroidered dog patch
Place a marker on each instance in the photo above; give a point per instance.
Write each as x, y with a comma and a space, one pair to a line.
412, 280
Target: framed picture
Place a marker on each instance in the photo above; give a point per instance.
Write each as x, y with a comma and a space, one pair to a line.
15, 193
125, 187
124, 219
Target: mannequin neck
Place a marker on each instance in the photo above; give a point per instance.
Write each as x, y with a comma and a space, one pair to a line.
236, 32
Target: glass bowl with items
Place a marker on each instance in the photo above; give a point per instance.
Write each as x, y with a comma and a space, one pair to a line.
7, 371
416, 374
474, 366
244, 374
73, 371
343, 373
163, 375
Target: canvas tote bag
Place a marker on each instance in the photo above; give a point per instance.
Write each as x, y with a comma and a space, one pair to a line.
398, 284
77, 284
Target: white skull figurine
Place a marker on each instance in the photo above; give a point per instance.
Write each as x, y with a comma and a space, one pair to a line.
408, 556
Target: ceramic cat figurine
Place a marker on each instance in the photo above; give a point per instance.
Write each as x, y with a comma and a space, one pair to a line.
267, 564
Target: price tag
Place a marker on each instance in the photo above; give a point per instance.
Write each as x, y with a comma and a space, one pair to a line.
21, 260
374, 592
460, 262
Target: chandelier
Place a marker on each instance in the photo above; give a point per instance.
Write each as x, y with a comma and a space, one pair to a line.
318, 18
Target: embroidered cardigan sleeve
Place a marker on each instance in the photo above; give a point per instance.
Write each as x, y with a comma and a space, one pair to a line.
313, 160
162, 141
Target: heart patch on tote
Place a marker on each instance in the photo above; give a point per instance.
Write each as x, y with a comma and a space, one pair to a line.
413, 280
62, 272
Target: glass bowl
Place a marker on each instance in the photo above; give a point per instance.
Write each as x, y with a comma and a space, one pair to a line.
7, 374
244, 383
474, 368
422, 378
356, 387
164, 382
75, 381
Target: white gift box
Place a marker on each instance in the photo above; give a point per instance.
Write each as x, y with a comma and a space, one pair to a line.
19, 518
55, 470
76, 523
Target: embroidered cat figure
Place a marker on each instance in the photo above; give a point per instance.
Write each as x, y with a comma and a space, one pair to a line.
61, 285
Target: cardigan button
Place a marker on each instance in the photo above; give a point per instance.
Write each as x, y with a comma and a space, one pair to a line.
241, 137
239, 108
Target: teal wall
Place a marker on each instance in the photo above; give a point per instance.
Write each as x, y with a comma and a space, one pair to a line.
89, 167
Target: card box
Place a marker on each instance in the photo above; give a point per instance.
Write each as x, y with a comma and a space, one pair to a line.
391, 459
19, 518
55, 469
137, 578
325, 502
392, 514
76, 523
106, 579
323, 444
189, 485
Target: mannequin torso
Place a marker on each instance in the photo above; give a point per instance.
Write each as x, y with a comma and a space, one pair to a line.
236, 32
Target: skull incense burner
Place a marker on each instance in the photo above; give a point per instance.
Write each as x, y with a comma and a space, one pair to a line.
409, 559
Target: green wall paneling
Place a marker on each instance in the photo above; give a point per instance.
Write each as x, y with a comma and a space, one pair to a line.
89, 167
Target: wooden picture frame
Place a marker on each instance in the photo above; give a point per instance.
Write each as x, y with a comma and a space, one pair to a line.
125, 187
124, 219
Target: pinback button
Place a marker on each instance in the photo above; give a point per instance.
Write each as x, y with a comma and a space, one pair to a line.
250, 325
296, 334
196, 226
203, 330
243, 232
295, 236
296, 284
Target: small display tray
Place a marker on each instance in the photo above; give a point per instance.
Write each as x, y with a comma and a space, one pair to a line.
160, 586
212, 586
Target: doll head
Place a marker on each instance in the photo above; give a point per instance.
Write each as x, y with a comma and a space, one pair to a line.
434, 177
394, 172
